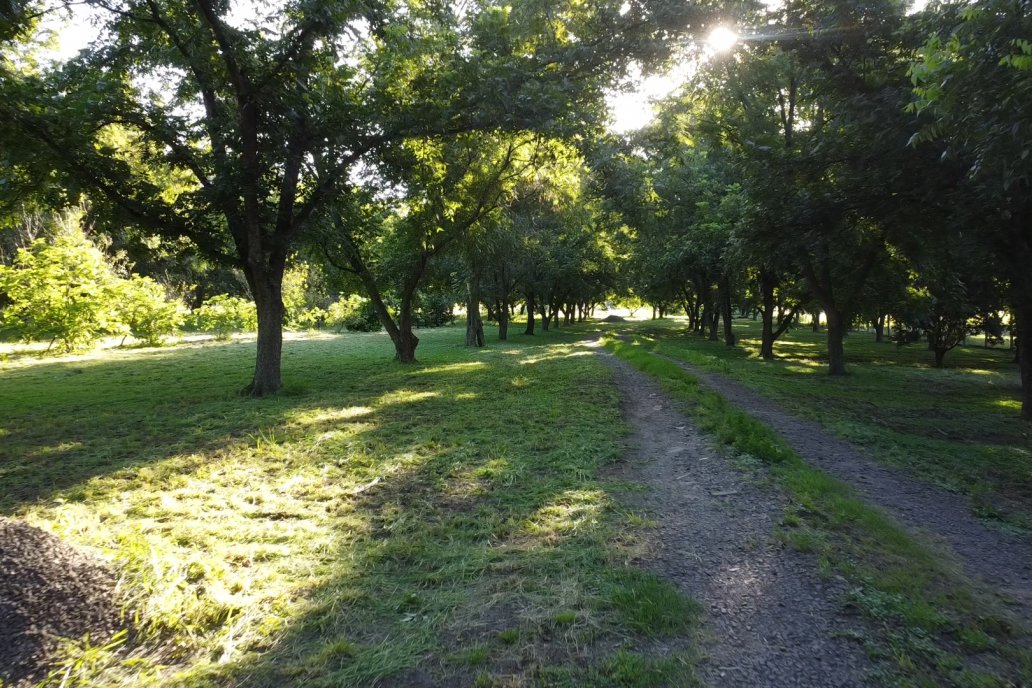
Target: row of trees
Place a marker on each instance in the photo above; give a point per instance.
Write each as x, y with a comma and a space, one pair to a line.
322, 123
847, 158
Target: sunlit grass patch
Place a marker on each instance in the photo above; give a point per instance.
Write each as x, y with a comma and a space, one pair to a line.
376, 520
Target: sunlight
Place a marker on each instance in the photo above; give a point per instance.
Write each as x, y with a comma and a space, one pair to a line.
722, 39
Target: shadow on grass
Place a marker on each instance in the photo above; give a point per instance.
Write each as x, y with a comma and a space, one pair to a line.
378, 524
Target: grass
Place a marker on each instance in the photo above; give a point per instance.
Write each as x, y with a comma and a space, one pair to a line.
957, 427
932, 626
373, 524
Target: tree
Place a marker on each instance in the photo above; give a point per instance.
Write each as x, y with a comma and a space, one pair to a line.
972, 82
265, 120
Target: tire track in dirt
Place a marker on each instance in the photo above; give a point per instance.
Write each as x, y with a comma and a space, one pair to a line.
772, 620
1000, 559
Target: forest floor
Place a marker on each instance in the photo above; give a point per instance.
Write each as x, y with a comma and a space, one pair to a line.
537, 513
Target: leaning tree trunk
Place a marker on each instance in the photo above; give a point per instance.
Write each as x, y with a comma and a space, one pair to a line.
836, 342
940, 356
267, 287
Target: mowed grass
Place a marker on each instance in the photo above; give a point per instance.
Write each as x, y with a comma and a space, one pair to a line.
930, 625
374, 525
958, 427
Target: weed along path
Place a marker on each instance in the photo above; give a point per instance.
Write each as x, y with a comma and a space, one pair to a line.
1001, 559
772, 621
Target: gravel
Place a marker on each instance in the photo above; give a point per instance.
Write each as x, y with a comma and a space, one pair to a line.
48, 591
771, 620
1001, 559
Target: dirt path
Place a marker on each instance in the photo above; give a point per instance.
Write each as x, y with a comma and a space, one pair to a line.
773, 621
1003, 560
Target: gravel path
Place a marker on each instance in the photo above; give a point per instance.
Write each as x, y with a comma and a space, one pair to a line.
773, 621
1001, 559
48, 590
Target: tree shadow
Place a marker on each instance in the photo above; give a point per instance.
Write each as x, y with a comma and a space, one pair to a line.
417, 525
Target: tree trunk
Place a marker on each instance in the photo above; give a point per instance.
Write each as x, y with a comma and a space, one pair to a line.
767, 333
266, 285
836, 343
714, 321
405, 340
725, 301
940, 355
1022, 318
503, 321
879, 329
816, 322
530, 314
474, 323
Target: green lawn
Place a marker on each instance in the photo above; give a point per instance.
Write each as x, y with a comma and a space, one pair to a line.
373, 521
958, 427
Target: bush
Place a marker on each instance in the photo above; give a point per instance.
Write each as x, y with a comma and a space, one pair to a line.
353, 313
62, 291
434, 310
223, 315
143, 311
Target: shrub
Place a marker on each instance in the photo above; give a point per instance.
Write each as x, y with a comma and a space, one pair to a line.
143, 311
353, 313
434, 310
61, 291
223, 315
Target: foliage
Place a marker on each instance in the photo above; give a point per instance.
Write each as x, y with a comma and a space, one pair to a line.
304, 296
353, 313
434, 309
60, 290
143, 310
222, 315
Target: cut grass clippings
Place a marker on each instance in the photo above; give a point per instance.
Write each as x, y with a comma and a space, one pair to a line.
932, 625
375, 524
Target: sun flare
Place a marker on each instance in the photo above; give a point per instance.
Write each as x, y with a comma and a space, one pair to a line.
721, 39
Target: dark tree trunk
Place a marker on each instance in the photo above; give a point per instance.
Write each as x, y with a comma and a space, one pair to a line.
816, 323
546, 317
266, 286
767, 333
714, 322
503, 321
1023, 316
474, 323
836, 343
879, 329
725, 302
940, 356
530, 314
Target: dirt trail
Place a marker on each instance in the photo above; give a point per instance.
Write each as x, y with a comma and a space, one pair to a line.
774, 622
1001, 559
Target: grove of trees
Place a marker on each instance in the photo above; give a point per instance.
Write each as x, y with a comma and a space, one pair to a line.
372, 165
